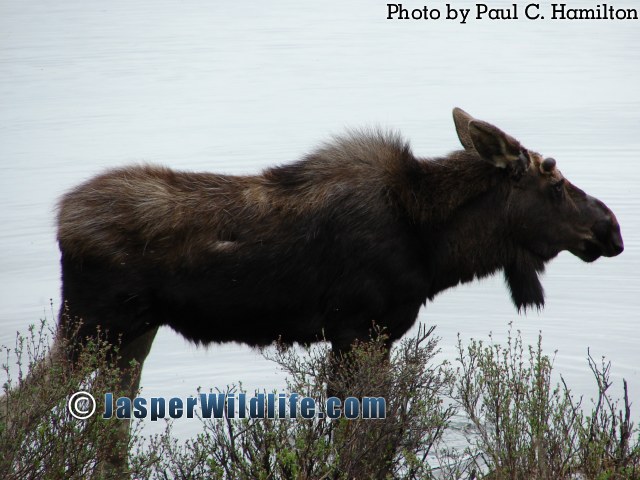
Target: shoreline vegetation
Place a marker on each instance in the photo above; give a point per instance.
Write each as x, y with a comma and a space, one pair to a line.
498, 399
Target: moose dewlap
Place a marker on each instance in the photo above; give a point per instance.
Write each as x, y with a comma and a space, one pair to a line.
359, 231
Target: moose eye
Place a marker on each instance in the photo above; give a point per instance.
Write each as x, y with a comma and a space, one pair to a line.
558, 188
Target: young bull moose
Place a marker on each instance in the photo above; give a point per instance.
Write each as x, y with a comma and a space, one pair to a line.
359, 231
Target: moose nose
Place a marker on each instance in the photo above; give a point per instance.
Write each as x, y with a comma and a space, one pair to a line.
616, 241
607, 232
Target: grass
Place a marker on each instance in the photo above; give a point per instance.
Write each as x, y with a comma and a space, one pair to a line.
521, 425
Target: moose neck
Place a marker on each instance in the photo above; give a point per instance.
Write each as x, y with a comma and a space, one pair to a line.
469, 244
465, 230
442, 186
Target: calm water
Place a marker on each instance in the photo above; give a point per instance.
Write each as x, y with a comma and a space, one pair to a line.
239, 86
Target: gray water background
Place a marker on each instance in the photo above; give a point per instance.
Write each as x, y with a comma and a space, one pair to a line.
235, 87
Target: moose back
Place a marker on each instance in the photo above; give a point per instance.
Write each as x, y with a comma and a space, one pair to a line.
359, 231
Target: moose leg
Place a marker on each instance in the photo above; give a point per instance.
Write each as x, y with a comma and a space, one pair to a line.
113, 455
362, 375
343, 378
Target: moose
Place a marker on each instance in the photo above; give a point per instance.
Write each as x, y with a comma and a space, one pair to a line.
358, 231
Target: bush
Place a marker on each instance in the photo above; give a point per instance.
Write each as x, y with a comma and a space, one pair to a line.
521, 425
39, 438
395, 447
526, 428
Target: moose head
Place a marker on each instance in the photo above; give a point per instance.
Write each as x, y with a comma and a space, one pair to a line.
545, 212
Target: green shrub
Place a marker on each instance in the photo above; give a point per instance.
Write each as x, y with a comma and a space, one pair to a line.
395, 447
39, 438
521, 424
527, 428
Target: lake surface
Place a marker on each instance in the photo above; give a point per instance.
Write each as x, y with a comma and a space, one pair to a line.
238, 86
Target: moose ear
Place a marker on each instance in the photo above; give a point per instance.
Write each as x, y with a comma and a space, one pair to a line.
493, 144
461, 120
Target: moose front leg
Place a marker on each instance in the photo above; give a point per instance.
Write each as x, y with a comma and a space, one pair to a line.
113, 455
363, 359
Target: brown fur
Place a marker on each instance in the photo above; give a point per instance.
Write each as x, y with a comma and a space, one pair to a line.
359, 231
177, 217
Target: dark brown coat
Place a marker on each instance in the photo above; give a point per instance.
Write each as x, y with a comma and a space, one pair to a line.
359, 231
